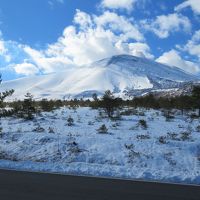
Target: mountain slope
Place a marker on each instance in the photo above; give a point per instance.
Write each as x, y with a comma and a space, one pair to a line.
121, 74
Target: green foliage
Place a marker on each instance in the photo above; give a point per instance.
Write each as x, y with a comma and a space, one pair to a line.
26, 109
46, 105
162, 140
198, 128
70, 121
95, 97
129, 112
4, 112
196, 96
168, 115
102, 129
1, 132
143, 124
3, 95
39, 129
95, 103
183, 103
143, 137
196, 92
108, 102
51, 130
185, 136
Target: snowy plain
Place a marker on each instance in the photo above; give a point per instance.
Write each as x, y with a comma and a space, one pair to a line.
166, 150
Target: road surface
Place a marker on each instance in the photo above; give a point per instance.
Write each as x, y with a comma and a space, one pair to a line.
37, 186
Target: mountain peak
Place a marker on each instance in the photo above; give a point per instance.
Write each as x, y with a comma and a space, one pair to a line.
122, 74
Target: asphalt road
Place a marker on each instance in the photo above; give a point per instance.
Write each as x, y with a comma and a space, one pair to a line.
36, 186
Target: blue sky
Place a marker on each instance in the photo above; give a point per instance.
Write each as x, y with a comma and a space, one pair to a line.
45, 36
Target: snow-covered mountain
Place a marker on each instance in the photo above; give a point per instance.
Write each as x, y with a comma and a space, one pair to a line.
122, 74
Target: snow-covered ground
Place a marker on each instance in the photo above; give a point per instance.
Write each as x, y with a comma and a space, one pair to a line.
164, 151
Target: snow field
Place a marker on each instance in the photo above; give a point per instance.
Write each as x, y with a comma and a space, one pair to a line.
164, 151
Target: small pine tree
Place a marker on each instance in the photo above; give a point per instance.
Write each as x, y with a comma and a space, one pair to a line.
143, 124
70, 121
95, 97
109, 103
51, 130
3, 95
95, 102
103, 129
28, 108
1, 132
196, 96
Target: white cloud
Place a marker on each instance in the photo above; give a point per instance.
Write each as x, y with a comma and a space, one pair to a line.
26, 69
4, 51
47, 64
193, 45
91, 38
172, 58
2, 48
97, 37
121, 24
118, 4
83, 19
164, 25
140, 50
194, 4
53, 2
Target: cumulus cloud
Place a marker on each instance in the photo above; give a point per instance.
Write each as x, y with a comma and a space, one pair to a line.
193, 45
89, 39
4, 51
164, 25
194, 4
172, 58
140, 50
97, 37
118, 4
120, 24
83, 19
26, 69
47, 64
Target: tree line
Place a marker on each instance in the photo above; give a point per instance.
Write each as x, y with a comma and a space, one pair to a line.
28, 107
